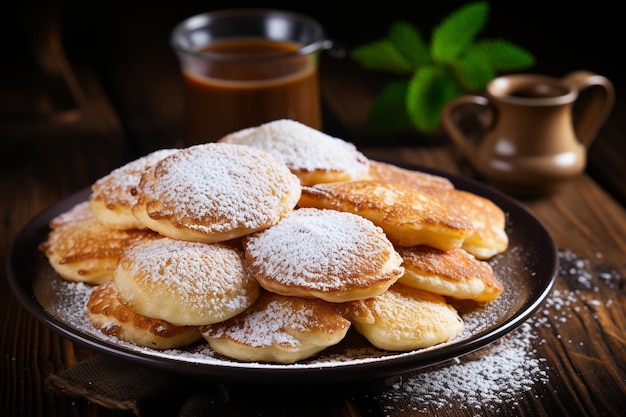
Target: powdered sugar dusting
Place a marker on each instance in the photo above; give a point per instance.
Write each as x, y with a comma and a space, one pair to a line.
268, 326
71, 303
319, 249
204, 276
79, 212
115, 188
303, 148
217, 187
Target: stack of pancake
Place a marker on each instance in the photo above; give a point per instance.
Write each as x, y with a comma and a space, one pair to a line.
270, 244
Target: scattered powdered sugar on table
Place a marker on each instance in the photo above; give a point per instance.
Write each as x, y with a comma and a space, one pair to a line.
501, 372
499, 375
584, 280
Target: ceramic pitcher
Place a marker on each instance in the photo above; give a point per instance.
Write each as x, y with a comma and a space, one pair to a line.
530, 133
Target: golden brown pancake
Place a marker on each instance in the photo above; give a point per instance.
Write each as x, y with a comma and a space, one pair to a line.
408, 216
327, 254
82, 249
383, 171
279, 329
312, 155
79, 212
489, 237
405, 318
184, 283
114, 319
111, 199
454, 273
215, 192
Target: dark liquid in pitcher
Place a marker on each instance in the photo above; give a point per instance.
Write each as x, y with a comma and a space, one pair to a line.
258, 85
538, 91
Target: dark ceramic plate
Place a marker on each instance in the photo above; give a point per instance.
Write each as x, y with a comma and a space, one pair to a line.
527, 270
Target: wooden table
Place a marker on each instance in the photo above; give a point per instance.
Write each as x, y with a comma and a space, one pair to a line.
62, 129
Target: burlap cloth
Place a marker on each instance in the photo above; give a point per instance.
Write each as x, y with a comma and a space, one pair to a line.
120, 385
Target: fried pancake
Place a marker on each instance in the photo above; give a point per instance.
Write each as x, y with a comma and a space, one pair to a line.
82, 249
114, 319
326, 254
454, 273
408, 216
489, 237
111, 199
405, 318
383, 171
215, 192
184, 283
313, 156
79, 212
279, 329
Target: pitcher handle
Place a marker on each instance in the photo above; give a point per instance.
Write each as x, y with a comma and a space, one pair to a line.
597, 110
451, 119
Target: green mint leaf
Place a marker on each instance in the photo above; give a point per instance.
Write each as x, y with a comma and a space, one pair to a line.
473, 71
388, 114
502, 55
430, 89
457, 31
381, 55
409, 42
454, 63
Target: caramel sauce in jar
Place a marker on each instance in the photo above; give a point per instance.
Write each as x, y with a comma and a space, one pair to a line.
235, 84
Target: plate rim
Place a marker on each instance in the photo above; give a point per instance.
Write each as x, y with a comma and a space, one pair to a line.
383, 367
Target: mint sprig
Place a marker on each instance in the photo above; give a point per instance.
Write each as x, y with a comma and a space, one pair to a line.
454, 63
